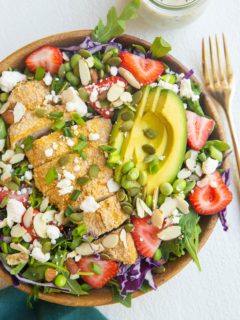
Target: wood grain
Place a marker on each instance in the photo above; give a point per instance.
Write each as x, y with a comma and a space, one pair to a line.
103, 296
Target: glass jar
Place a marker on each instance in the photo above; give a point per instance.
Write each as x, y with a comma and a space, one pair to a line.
171, 13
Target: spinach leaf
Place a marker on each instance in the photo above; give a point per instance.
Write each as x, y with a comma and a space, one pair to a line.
191, 231
35, 273
172, 248
115, 25
160, 47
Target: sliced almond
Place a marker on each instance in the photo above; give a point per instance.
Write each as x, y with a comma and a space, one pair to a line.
126, 97
7, 155
198, 170
203, 183
182, 205
49, 216
44, 204
27, 237
17, 231
40, 225
19, 247
157, 218
191, 164
129, 77
155, 198
28, 217
169, 233
114, 92
86, 249
17, 258
123, 237
168, 206
110, 241
84, 72
17, 158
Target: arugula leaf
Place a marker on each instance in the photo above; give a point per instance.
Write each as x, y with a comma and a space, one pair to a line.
75, 288
171, 248
115, 25
160, 47
14, 271
127, 301
191, 231
35, 273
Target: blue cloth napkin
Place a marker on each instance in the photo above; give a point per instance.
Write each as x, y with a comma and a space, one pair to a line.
13, 306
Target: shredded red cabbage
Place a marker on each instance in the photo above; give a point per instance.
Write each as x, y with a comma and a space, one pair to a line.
223, 214
188, 74
92, 46
131, 277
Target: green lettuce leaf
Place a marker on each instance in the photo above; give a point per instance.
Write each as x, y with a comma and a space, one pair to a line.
115, 25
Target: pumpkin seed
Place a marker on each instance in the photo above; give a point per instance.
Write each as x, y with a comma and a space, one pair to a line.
127, 209
76, 217
83, 94
137, 96
128, 115
75, 59
126, 126
114, 61
129, 227
82, 180
93, 171
85, 53
133, 192
121, 195
149, 158
133, 174
61, 71
129, 184
64, 160
40, 113
142, 179
150, 133
148, 149
127, 166
107, 55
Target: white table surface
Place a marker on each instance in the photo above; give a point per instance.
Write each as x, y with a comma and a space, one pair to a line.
215, 292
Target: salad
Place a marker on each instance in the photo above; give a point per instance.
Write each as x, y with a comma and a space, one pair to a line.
106, 165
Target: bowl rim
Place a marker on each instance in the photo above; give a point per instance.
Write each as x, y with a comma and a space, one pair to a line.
104, 296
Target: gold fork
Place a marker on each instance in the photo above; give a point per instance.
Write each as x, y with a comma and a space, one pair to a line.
220, 84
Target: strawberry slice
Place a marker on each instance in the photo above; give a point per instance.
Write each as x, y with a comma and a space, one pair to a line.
211, 198
100, 90
199, 129
144, 70
145, 236
13, 195
107, 268
50, 58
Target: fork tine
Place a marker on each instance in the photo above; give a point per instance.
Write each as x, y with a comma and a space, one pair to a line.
205, 71
228, 66
214, 73
221, 76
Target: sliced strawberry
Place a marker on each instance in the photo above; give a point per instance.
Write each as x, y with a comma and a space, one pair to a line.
109, 269
50, 58
101, 88
211, 198
199, 129
144, 70
145, 236
13, 195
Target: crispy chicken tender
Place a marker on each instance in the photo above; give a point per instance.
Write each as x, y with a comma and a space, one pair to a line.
30, 93
124, 251
62, 144
109, 216
31, 125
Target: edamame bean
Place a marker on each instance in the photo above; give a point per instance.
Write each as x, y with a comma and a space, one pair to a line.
4, 97
133, 174
215, 153
60, 281
61, 71
142, 179
179, 185
149, 201
98, 64
75, 81
126, 184
202, 157
67, 66
75, 60
157, 255
46, 247
133, 192
166, 188
127, 166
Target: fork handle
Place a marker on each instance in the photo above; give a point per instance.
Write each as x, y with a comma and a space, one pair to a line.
234, 140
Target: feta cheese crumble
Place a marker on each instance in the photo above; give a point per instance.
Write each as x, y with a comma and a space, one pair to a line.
10, 79
93, 136
89, 205
186, 90
15, 212
112, 185
47, 79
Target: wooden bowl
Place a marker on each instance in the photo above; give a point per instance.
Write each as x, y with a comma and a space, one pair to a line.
103, 296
